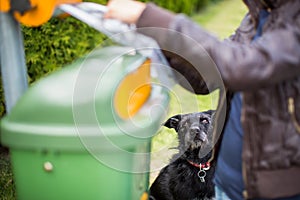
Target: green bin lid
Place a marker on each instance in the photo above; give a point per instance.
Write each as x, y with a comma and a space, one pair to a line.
73, 108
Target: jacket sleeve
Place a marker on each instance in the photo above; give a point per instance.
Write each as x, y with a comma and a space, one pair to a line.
271, 59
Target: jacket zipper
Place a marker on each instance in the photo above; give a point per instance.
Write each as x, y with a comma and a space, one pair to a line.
291, 108
245, 192
244, 170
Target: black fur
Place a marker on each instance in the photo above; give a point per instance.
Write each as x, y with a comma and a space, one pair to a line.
179, 179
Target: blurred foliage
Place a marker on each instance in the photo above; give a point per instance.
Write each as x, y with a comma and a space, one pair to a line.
57, 43
184, 6
7, 191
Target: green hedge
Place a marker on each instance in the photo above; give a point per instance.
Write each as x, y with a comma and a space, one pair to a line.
60, 41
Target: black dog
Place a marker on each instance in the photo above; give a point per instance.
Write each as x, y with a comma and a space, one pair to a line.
189, 175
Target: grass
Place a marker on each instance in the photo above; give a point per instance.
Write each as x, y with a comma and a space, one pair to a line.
7, 190
221, 19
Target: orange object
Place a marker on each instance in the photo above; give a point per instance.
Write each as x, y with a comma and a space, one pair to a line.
133, 91
41, 12
4, 5
145, 196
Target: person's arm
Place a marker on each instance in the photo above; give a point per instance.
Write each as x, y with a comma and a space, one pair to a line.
130, 12
273, 58
270, 59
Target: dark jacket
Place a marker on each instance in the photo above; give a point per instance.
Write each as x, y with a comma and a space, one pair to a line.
266, 71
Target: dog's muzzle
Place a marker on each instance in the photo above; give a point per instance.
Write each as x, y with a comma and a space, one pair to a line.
199, 136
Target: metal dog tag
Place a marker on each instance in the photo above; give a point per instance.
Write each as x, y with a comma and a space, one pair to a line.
201, 175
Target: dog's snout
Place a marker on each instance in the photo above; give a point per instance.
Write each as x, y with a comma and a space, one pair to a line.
195, 130
201, 136
198, 134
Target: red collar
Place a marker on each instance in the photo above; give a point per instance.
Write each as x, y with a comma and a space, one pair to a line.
205, 166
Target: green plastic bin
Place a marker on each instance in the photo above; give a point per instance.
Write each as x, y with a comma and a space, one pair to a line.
67, 139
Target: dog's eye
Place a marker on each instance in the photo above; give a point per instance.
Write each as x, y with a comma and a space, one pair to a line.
204, 120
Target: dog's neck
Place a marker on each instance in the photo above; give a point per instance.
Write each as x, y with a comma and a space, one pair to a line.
204, 166
193, 158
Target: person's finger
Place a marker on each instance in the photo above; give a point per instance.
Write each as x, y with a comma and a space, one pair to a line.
127, 11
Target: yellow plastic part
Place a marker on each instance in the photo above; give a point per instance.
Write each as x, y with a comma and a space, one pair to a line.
41, 12
4, 5
145, 196
133, 91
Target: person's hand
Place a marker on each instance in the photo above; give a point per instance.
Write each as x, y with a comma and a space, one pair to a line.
127, 11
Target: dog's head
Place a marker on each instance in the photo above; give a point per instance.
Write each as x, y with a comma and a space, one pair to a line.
194, 130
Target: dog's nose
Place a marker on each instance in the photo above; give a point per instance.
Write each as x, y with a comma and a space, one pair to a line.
195, 130
199, 135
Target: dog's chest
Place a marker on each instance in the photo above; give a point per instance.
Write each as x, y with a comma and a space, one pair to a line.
186, 184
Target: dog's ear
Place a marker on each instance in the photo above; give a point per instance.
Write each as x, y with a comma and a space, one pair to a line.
173, 122
209, 112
